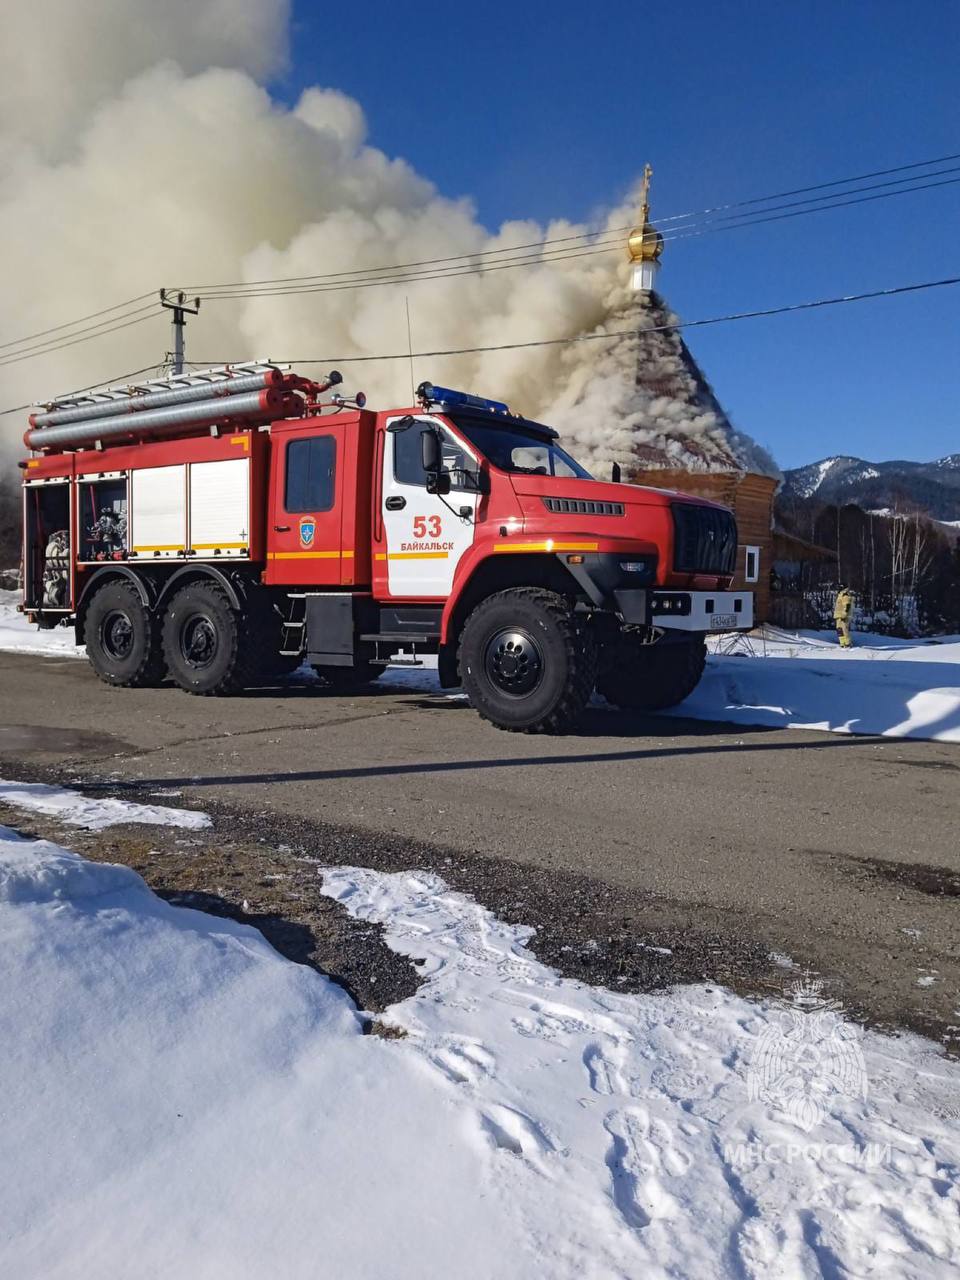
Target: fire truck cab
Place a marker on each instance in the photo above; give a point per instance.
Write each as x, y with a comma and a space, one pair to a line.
222, 528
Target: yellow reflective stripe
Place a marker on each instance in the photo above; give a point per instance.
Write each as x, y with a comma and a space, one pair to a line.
244, 440
310, 555
418, 555
172, 546
549, 545
221, 546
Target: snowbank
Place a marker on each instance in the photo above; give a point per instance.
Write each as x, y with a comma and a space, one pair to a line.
84, 811
19, 636
179, 1100
898, 688
691, 1133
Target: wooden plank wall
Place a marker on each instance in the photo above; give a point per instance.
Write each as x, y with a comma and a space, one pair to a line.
751, 499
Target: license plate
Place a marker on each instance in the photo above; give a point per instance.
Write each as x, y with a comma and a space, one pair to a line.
722, 621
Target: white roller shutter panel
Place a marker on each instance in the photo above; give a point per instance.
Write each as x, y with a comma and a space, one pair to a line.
220, 508
158, 511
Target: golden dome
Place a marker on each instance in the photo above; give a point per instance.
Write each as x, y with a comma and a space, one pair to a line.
645, 242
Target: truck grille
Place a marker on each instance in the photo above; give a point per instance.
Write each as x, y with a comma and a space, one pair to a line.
582, 507
705, 539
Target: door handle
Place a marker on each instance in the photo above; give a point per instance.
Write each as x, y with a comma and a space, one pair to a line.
281, 528
395, 503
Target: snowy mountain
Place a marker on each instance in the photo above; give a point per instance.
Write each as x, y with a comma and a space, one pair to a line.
933, 487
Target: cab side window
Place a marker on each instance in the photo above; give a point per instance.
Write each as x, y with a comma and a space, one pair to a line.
407, 467
310, 475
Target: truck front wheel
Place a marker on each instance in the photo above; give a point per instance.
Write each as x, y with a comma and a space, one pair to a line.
122, 638
209, 648
528, 661
651, 677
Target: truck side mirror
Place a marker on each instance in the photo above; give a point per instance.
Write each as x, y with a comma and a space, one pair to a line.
430, 456
615, 473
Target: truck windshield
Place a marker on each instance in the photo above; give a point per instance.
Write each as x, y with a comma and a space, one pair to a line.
514, 449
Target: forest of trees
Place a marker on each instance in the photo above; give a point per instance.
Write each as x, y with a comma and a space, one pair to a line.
904, 567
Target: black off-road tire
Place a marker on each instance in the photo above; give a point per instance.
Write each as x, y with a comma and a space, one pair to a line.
346, 680
123, 638
652, 677
210, 648
540, 682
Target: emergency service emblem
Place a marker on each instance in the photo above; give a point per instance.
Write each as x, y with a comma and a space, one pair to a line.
807, 1055
308, 528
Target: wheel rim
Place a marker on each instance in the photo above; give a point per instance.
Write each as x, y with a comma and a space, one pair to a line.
198, 641
116, 635
513, 662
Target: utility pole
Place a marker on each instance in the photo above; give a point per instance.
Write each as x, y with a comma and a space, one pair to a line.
178, 305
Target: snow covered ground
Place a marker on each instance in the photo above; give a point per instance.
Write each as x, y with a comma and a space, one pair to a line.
177, 1099
78, 810
899, 688
18, 636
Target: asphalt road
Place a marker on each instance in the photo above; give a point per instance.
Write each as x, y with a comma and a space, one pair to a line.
839, 852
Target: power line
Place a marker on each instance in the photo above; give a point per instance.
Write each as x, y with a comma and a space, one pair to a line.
117, 380
552, 342
32, 353
54, 344
820, 186
118, 306
837, 204
301, 284
625, 333
467, 264
584, 235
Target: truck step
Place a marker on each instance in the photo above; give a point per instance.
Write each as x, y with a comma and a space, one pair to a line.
402, 637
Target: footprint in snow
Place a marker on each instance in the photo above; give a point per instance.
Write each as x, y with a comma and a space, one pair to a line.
507, 1129
465, 1063
602, 1072
642, 1158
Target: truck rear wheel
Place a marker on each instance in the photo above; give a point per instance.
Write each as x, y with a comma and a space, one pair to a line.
651, 677
209, 648
527, 661
122, 638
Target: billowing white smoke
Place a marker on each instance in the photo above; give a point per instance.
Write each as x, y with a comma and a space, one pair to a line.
639, 400
139, 148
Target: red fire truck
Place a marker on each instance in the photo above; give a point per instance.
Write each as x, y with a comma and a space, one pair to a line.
225, 526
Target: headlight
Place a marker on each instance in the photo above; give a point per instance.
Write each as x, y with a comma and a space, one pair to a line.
636, 566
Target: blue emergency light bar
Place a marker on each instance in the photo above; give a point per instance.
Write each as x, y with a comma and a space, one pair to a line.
428, 394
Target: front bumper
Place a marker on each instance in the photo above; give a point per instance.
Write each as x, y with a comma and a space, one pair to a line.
631, 595
702, 610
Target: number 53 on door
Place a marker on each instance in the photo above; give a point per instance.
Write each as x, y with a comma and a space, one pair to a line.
427, 526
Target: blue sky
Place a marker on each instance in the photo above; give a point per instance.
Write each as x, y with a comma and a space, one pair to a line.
540, 110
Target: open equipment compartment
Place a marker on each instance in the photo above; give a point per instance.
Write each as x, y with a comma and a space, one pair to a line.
102, 516
47, 579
